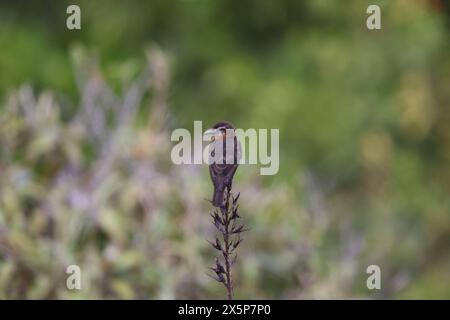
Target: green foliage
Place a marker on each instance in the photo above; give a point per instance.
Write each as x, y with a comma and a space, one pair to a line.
85, 176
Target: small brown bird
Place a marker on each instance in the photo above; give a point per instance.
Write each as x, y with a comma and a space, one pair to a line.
222, 173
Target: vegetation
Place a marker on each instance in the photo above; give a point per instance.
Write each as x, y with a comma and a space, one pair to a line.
85, 170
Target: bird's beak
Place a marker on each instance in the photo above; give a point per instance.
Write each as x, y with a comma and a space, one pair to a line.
210, 133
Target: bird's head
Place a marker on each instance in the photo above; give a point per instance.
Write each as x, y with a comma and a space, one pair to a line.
219, 130
223, 125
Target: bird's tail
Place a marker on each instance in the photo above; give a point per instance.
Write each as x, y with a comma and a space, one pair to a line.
217, 200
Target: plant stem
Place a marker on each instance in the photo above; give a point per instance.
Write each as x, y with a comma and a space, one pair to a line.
225, 221
226, 255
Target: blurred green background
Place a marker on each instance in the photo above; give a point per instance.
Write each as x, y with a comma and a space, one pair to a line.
85, 170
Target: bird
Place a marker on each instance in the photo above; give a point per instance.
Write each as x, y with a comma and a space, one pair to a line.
222, 173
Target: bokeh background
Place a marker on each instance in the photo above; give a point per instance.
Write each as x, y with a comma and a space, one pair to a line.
85, 170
